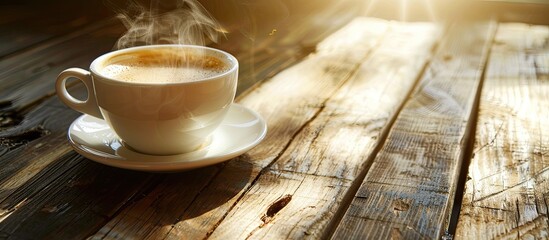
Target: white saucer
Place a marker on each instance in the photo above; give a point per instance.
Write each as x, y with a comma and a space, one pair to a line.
241, 130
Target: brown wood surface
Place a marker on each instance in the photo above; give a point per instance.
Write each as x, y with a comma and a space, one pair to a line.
409, 189
29, 23
318, 165
367, 128
295, 96
507, 189
43, 180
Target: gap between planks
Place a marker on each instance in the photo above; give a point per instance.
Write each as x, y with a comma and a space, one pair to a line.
343, 178
259, 161
505, 194
265, 169
467, 153
85, 163
354, 186
357, 182
372, 194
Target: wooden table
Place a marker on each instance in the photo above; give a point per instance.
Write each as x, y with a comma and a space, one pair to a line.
377, 129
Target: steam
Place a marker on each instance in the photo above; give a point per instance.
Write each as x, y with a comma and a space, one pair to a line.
176, 22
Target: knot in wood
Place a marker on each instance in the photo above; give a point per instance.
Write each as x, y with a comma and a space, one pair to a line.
400, 205
275, 207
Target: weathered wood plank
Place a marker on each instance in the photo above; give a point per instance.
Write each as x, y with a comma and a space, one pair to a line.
270, 36
507, 188
45, 181
321, 156
37, 172
287, 101
33, 171
316, 158
330, 151
156, 214
362, 108
283, 205
30, 75
86, 195
24, 24
409, 188
42, 179
27, 79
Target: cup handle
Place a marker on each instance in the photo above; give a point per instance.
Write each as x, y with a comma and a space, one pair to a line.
88, 106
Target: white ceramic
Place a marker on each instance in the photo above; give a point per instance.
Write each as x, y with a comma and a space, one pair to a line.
156, 118
241, 130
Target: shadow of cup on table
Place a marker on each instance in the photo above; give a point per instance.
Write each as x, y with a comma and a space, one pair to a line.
181, 198
92, 198
231, 180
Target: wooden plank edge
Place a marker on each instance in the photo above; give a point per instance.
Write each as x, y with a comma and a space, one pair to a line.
489, 39
26, 52
266, 169
357, 182
469, 137
320, 232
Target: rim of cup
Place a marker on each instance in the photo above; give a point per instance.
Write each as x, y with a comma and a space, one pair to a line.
233, 64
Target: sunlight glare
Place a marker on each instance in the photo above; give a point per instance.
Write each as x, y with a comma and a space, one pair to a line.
403, 9
430, 10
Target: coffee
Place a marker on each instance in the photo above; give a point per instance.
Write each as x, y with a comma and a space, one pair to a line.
161, 66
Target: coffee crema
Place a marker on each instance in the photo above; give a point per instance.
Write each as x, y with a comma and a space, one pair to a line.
162, 66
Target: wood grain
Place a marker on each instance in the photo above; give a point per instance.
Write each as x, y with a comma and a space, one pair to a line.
330, 151
287, 102
32, 22
31, 113
45, 181
330, 106
38, 162
409, 189
29, 76
270, 36
507, 188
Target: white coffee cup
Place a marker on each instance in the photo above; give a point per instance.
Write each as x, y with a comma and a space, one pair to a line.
157, 116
